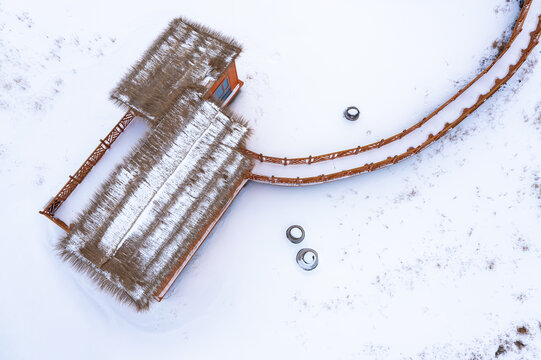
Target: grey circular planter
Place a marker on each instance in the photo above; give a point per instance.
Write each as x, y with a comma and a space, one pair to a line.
352, 113
295, 239
307, 259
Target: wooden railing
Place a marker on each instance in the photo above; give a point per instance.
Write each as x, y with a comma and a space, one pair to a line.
75, 179
299, 181
378, 144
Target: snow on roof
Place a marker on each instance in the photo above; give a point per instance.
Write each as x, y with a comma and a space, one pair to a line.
156, 206
186, 55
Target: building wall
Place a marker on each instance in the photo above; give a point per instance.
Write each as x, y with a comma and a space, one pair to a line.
231, 74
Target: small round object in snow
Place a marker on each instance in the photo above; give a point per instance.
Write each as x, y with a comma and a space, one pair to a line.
352, 113
307, 259
295, 234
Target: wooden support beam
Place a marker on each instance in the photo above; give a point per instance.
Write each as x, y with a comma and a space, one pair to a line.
57, 221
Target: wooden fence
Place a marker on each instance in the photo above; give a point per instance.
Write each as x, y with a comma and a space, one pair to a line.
75, 179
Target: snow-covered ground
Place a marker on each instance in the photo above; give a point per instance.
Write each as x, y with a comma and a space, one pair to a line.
436, 257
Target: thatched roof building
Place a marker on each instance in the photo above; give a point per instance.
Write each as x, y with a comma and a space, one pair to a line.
185, 56
156, 208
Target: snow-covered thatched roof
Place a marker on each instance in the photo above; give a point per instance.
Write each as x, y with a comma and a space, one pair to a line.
186, 55
157, 205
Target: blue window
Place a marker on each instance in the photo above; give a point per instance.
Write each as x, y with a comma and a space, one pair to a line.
223, 91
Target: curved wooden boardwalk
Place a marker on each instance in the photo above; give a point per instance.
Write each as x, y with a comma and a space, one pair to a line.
414, 138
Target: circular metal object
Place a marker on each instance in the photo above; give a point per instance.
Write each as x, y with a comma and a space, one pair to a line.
307, 259
352, 113
295, 234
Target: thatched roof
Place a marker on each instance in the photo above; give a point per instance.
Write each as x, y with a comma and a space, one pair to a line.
157, 205
185, 55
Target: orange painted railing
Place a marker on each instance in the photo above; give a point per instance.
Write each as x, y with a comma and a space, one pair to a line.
376, 145
57, 201
298, 181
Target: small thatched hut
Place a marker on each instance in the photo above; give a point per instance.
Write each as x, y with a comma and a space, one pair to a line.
185, 56
154, 211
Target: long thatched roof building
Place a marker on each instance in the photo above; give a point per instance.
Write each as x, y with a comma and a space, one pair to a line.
156, 208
